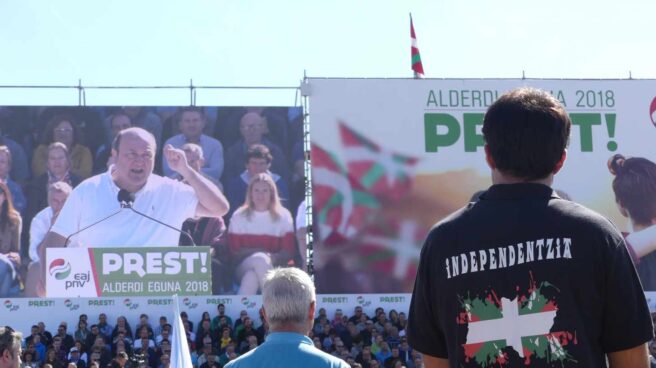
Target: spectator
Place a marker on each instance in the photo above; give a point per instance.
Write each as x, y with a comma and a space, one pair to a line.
104, 327
252, 128
143, 118
144, 338
165, 335
258, 161
118, 121
28, 360
75, 358
6, 162
83, 354
82, 331
67, 340
10, 260
53, 359
357, 315
143, 323
196, 159
58, 165
157, 330
46, 335
123, 326
244, 333
63, 129
165, 361
212, 361
34, 331
192, 122
120, 361
220, 313
260, 235
20, 170
384, 351
185, 318
94, 332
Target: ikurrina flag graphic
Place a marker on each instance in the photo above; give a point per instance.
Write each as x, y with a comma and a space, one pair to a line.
342, 209
497, 326
378, 170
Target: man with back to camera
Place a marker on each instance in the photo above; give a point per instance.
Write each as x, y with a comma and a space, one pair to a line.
289, 302
521, 277
164, 199
10, 348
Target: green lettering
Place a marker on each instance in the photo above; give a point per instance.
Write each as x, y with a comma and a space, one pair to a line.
585, 121
433, 140
473, 140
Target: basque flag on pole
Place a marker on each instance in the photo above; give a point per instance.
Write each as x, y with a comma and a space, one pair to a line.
417, 67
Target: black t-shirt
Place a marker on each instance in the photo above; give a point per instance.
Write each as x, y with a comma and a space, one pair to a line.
524, 278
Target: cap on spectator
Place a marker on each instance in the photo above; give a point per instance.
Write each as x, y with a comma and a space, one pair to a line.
74, 349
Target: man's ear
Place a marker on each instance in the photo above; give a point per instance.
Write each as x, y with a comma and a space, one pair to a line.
313, 307
488, 158
561, 162
622, 209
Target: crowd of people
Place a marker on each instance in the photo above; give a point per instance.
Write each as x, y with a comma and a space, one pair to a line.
359, 339
253, 155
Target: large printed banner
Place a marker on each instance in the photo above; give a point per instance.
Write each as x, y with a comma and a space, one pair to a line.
149, 271
392, 157
25, 312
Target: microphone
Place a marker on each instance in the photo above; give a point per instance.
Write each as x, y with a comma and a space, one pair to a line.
94, 224
126, 199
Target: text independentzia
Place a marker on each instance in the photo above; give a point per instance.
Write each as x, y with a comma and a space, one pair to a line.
508, 256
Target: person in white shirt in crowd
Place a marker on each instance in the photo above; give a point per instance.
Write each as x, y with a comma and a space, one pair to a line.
44, 219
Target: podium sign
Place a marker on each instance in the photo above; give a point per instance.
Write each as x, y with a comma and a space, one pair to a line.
142, 271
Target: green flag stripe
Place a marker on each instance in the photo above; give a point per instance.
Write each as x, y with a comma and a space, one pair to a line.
334, 201
372, 176
365, 199
416, 59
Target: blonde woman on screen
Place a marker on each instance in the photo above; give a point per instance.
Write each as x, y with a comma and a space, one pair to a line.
260, 235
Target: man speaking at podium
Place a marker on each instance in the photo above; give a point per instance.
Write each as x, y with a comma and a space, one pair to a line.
96, 201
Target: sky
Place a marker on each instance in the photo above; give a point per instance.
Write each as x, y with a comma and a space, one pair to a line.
275, 43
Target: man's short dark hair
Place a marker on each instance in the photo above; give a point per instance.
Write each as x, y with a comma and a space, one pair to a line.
259, 151
199, 110
526, 131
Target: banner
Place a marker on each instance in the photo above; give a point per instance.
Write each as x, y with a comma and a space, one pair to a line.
25, 312
390, 158
128, 271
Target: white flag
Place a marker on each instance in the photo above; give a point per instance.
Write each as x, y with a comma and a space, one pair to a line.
180, 356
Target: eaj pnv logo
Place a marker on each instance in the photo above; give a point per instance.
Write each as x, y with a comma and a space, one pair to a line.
10, 306
60, 269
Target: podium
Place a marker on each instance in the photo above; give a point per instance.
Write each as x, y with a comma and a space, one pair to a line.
128, 271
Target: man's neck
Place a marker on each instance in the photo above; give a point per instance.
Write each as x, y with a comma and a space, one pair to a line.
501, 178
290, 327
193, 139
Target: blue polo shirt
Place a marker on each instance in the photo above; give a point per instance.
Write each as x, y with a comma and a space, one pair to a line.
289, 350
